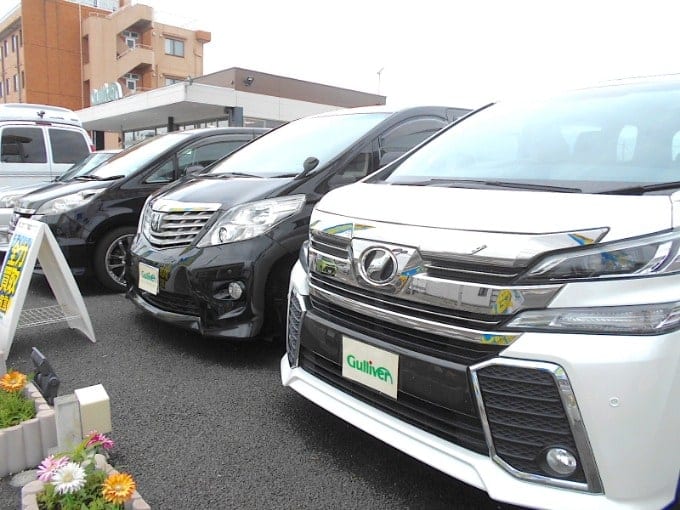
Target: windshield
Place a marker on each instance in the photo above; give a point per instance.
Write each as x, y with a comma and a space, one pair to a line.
136, 157
86, 165
591, 140
284, 150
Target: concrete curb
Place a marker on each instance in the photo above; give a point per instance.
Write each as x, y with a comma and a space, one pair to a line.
25, 445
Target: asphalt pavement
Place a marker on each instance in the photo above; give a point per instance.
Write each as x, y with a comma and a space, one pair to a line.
205, 424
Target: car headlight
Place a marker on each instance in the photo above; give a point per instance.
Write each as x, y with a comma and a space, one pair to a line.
10, 199
251, 220
642, 256
648, 319
68, 202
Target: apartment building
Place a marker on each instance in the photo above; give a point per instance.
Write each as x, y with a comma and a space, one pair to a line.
78, 53
130, 77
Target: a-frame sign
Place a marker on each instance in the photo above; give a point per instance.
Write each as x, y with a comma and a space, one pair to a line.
31, 241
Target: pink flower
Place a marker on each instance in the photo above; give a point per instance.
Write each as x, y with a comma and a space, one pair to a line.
49, 466
97, 439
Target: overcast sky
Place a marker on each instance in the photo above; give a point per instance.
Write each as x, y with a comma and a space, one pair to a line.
453, 52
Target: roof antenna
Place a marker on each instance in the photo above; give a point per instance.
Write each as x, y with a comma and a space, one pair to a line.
41, 113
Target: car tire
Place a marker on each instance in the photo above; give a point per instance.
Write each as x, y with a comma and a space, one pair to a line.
109, 258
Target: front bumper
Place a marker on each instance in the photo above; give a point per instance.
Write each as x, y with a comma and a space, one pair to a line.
192, 282
624, 389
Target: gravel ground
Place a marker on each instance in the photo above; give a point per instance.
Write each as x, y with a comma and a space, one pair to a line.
207, 424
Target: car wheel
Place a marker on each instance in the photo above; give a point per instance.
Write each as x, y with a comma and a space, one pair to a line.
109, 258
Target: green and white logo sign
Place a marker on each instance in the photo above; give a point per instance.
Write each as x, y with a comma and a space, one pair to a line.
368, 365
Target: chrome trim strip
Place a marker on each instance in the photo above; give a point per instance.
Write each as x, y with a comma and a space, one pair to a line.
174, 206
414, 323
17, 210
593, 482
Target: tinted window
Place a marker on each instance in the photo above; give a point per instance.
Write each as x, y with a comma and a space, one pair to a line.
357, 168
164, 173
207, 154
284, 150
67, 146
590, 139
23, 145
406, 136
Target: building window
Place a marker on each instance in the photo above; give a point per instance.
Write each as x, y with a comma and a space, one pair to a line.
15, 43
131, 80
131, 38
16, 82
7, 86
4, 46
21, 38
169, 80
1, 94
174, 47
23, 80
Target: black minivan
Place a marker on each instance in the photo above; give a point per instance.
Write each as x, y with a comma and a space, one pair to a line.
94, 216
214, 252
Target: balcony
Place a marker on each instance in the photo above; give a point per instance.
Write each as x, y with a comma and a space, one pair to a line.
140, 57
132, 17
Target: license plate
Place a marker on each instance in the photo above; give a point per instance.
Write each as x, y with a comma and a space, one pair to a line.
148, 278
370, 366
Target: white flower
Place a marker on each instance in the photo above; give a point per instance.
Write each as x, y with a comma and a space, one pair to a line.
69, 478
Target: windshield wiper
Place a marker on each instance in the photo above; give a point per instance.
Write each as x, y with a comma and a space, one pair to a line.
641, 189
233, 174
98, 178
499, 184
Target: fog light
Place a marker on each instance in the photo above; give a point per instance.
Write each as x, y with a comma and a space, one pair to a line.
561, 461
235, 290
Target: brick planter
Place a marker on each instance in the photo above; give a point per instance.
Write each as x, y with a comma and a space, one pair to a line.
30, 491
27, 444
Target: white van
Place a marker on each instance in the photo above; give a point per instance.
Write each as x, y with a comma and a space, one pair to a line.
503, 303
39, 142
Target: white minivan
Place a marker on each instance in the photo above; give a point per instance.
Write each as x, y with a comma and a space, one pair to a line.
503, 303
39, 142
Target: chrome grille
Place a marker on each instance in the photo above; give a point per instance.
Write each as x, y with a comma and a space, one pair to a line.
461, 270
174, 229
327, 244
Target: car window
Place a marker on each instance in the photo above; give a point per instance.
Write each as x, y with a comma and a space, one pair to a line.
22, 145
164, 173
284, 150
357, 168
404, 137
67, 146
591, 140
207, 154
139, 156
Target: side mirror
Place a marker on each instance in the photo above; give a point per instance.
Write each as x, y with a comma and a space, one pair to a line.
193, 169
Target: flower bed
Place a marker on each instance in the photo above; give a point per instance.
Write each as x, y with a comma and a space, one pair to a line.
26, 444
82, 478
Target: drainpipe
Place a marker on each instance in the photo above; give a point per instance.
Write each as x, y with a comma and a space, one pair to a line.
2, 66
20, 82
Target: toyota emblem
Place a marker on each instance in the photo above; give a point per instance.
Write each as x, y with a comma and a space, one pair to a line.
378, 266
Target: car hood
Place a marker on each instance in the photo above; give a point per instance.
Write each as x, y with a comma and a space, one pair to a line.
225, 191
58, 189
503, 211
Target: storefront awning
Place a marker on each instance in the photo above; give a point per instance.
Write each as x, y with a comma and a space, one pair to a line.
185, 102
